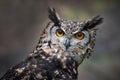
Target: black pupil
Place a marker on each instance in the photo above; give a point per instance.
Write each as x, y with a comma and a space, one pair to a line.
60, 31
79, 34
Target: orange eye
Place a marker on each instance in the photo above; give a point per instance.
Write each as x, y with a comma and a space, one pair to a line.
79, 35
59, 32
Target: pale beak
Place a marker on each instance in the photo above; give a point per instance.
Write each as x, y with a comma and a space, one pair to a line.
67, 44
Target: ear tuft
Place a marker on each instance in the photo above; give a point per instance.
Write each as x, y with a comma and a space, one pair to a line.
93, 22
53, 16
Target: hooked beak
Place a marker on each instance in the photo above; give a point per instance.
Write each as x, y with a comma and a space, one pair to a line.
67, 44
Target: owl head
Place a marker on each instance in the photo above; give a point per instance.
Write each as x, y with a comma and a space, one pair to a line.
69, 38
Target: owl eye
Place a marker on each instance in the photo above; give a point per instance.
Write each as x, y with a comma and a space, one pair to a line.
79, 35
59, 32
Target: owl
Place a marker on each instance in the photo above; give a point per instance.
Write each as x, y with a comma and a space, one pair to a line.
63, 45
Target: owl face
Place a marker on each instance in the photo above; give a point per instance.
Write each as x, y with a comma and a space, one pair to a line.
69, 38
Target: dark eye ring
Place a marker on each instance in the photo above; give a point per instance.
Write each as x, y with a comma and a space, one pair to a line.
59, 32
79, 35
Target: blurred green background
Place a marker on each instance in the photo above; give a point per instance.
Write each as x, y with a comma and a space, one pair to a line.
22, 21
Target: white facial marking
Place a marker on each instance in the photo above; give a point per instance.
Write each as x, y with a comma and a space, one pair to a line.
74, 42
